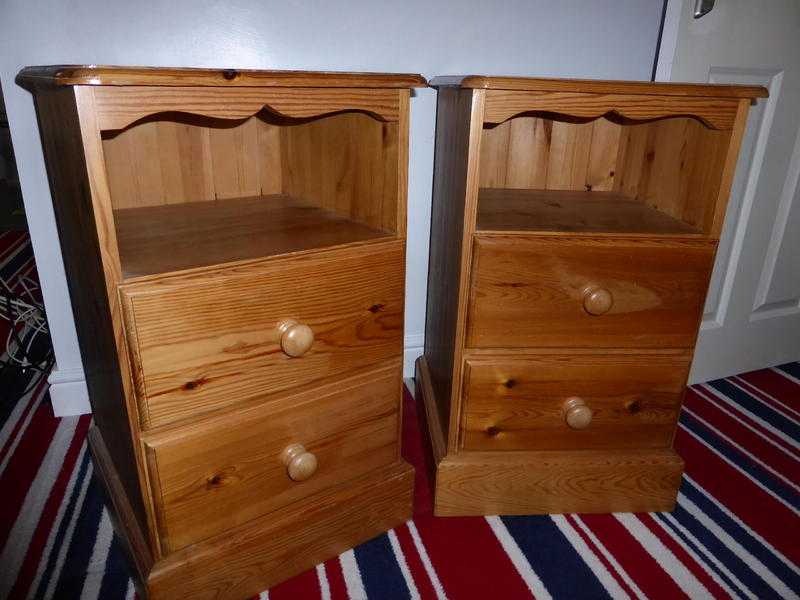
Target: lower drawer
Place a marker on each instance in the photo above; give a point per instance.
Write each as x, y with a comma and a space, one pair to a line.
576, 401
216, 475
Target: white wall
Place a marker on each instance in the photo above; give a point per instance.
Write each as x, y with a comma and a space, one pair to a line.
612, 39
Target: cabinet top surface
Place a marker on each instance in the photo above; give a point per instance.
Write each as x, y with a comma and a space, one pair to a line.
66, 75
591, 86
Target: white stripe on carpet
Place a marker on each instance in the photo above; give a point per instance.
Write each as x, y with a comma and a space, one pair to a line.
31, 509
518, 559
426, 561
706, 556
598, 568
743, 450
735, 518
771, 428
38, 393
401, 561
738, 381
751, 561
717, 406
352, 576
736, 467
67, 541
673, 567
788, 376
62, 509
610, 558
324, 586
96, 568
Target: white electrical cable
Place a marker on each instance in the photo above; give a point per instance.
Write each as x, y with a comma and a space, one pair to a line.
26, 317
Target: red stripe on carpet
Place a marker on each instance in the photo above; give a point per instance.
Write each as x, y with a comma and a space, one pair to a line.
739, 412
759, 510
31, 402
50, 510
775, 385
21, 470
690, 563
333, 570
784, 405
451, 543
641, 567
305, 585
418, 453
414, 562
741, 436
600, 556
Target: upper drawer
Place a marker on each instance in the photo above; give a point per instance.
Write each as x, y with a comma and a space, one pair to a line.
572, 402
587, 292
205, 342
215, 476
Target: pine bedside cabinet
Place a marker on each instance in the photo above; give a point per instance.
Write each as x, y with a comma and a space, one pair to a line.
573, 233
234, 243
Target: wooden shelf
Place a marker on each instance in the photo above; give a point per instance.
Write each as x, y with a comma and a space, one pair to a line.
175, 237
572, 212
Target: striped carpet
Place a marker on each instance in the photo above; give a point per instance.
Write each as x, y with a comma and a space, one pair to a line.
735, 532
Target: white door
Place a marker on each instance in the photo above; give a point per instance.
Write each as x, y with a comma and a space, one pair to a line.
752, 313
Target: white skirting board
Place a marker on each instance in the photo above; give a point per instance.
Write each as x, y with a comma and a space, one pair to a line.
412, 350
68, 392
70, 397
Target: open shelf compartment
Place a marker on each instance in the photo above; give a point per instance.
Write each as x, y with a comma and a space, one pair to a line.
191, 191
555, 173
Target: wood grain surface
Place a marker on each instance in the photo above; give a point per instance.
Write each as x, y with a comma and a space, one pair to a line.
527, 483
717, 113
502, 210
119, 107
592, 86
515, 402
217, 475
242, 562
529, 291
211, 340
176, 237
100, 75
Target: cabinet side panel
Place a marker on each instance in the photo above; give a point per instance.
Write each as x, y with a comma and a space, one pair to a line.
69, 186
447, 228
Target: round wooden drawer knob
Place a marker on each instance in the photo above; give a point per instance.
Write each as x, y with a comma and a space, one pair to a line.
597, 301
576, 413
300, 465
296, 338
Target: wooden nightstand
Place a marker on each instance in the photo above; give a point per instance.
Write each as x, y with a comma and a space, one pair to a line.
235, 243
573, 233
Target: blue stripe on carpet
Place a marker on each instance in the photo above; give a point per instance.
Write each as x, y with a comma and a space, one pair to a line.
553, 558
743, 462
380, 572
62, 529
738, 533
792, 369
765, 412
727, 557
701, 554
73, 574
116, 578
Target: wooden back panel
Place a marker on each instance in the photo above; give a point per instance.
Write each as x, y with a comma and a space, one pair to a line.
674, 165
347, 162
